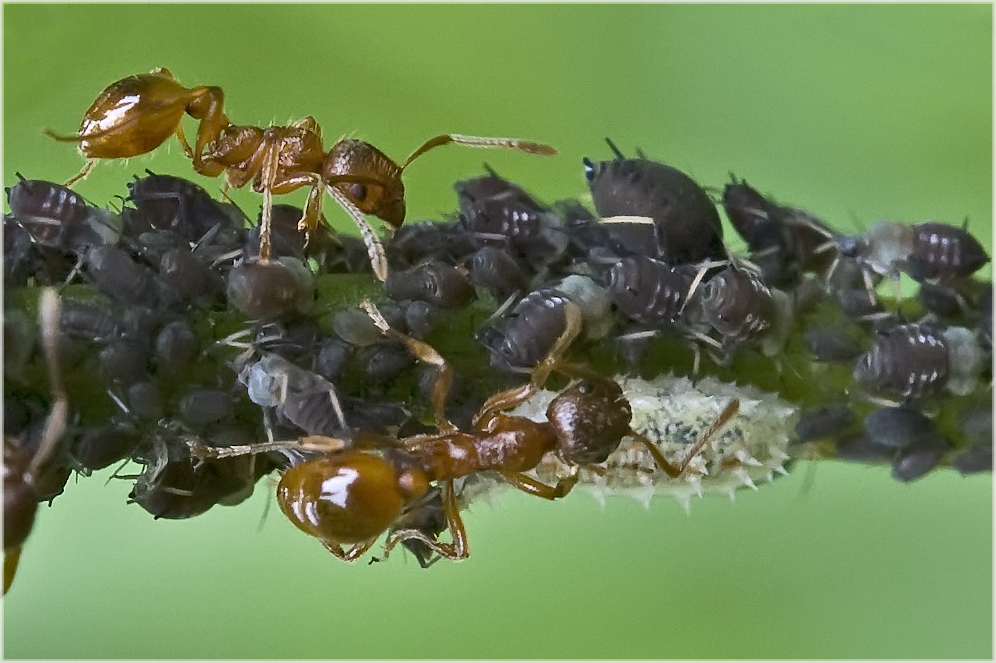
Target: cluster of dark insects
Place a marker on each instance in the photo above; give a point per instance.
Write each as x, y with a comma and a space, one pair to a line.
198, 347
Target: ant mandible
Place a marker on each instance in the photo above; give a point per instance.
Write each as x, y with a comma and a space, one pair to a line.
139, 113
350, 495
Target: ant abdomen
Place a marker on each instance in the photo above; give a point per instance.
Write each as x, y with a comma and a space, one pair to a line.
349, 497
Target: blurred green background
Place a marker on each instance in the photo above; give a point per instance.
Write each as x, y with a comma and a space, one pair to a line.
853, 112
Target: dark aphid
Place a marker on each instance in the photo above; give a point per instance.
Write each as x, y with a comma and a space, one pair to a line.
526, 336
176, 346
742, 309
119, 276
471, 193
425, 241
303, 398
385, 361
898, 427
199, 407
166, 202
58, 217
422, 317
686, 224
647, 290
105, 445
145, 400
124, 361
917, 360
355, 327
331, 358
434, 282
174, 485
911, 360
91, 322
918, 459
271, 289
189, 281
986, 316
978, 458
784, 242
942, 251
833, 343
857, 448
497, 271
823, 422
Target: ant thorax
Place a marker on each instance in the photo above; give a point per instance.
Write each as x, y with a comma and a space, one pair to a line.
883, 247
672, 411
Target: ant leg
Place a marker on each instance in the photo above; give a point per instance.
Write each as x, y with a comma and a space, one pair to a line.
87, 167
205, 106
317, 443
10, 559
350, 555
675, 471
518, 395
479, 141
424, 353
456, 551
269, 167
529, 485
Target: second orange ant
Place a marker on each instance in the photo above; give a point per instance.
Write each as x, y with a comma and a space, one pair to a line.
139, 113
353, 491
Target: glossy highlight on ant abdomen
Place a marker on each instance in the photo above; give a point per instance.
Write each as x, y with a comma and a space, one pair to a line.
349, 497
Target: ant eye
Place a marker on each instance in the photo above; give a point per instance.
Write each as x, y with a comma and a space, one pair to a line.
357, 191
589, 169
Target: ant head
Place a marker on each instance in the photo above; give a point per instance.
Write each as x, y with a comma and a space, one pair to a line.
590, 417
368, 178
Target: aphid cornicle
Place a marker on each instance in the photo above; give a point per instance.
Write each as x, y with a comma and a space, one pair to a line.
686, 224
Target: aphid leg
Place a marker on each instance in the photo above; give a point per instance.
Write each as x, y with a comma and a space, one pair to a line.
424, 353
456, 551
529, 485
518, 395
675, 471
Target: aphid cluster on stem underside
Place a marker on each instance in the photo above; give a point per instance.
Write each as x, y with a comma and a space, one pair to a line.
139, 113
356, 489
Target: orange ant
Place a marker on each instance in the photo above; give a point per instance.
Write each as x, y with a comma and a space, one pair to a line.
139, 113
351, 494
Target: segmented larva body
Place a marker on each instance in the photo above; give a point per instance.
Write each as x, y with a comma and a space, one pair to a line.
673, 412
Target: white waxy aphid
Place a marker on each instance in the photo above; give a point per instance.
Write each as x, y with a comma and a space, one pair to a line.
672, 412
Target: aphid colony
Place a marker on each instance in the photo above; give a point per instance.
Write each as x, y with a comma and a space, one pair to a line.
211, 361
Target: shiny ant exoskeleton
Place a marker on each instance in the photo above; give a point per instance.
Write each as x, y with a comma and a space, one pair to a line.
139, 113
350, 495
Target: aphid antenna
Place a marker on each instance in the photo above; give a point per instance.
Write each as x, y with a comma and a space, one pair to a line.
115, 475
645, 220
117, 401
502, 309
